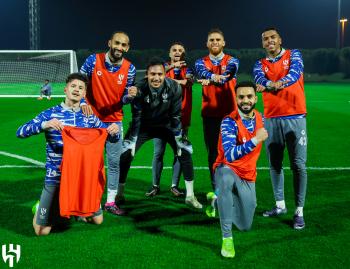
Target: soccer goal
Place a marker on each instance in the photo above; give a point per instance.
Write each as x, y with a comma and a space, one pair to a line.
23, 72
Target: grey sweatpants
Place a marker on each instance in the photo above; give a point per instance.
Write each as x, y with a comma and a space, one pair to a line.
113, 152
236, 200
157, 164
290, 133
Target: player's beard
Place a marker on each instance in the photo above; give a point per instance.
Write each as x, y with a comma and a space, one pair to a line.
246, 111
115, 55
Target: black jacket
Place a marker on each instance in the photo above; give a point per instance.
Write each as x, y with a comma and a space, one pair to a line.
160, 108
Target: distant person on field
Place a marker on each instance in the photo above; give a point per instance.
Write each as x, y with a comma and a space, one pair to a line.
111, 77
240, 141
177, 70
45, 90
279, 76
51, 122
217, 73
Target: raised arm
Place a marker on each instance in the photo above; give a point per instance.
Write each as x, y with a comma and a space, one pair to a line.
232, 151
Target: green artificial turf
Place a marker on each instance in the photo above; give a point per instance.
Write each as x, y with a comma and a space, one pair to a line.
162, 232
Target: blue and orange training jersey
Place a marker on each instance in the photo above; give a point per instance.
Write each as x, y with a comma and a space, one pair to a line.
242, 163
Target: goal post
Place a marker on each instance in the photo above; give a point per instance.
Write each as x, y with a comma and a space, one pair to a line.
23, 72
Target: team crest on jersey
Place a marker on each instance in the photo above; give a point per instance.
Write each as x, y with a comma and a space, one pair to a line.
99, 73
120, 79
223, 68
244, 139
165, 97
285, 64
266, 69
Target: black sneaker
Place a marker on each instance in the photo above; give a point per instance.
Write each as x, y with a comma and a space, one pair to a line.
153, 191
299, 222
274, 212
177, 192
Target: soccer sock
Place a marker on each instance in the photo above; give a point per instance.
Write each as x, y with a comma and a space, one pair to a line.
299, 211
111, 195
189, 188
121, 187
226, 229
281, 204
214, 202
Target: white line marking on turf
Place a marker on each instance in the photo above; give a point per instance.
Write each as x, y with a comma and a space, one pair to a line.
29, 160
195, 168
26, 96
38, 164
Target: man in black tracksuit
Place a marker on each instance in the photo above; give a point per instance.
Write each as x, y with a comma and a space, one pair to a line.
156, 113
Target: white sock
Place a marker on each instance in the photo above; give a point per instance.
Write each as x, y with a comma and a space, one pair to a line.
111, 194
281, 204
189, 188
121, 187
299, 211
213, 202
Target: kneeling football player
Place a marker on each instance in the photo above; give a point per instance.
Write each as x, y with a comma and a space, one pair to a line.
52, 122
241, 135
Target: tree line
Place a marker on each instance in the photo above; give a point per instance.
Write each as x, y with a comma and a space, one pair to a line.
322, 61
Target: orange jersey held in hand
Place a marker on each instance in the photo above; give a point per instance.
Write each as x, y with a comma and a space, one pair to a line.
83, 176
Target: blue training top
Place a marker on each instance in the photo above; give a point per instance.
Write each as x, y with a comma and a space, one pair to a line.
54, 144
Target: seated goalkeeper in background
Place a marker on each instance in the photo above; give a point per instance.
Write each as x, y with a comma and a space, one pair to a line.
46, 90
52, 122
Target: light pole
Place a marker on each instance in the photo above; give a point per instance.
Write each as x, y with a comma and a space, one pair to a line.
342, 21
338, 26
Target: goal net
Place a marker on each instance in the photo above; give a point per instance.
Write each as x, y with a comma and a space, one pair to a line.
23, 72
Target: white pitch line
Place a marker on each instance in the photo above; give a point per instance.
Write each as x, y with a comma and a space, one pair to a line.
195, 168
38, 164
29, 160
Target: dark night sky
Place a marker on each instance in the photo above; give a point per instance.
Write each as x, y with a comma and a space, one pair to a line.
76, 24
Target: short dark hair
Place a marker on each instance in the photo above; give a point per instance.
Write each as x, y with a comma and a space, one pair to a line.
177, 43
245, 84
155, 61
119, 32
78, 76
47, 80
271, 29
217, 31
